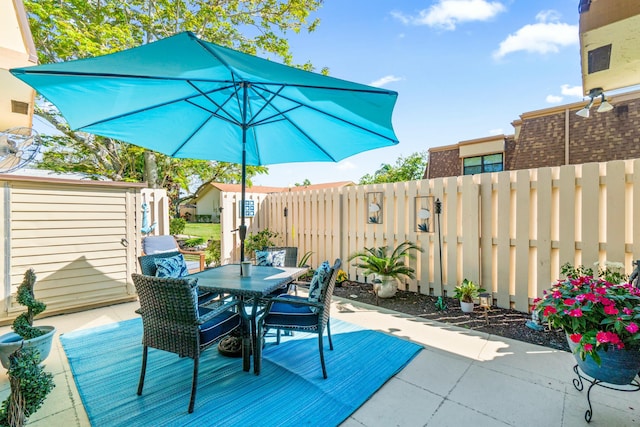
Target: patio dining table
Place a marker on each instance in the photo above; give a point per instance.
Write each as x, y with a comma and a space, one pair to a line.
250, 291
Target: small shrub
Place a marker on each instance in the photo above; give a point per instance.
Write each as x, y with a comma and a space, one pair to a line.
212, 254
193, 242
204, 218
258, 241
177, 225
342, 276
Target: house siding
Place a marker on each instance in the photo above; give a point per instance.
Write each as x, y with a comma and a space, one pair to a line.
81, 238
542, 139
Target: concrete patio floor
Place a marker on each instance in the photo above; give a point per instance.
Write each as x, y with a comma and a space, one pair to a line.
461, 377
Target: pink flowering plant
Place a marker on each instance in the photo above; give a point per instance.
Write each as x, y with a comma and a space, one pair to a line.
596, 311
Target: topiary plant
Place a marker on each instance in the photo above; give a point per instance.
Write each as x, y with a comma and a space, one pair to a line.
23, 324
30, 385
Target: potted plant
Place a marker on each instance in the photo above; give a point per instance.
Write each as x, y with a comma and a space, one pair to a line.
24, 333
467, 292
600, 315
386, 268
258, 241
30, 385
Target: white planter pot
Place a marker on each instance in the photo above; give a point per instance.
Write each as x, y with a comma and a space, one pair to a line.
387, 287
466, 307
11, 342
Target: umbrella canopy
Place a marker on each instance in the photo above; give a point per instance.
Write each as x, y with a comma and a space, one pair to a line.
187, 98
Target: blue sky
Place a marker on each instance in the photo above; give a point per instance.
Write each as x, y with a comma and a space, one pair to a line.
463, 69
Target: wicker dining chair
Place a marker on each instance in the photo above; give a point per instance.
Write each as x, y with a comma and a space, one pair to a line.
304, 314
173, 322
149, 267
287, 256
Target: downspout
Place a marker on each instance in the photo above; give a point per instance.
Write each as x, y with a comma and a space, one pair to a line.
566, 136
7, 247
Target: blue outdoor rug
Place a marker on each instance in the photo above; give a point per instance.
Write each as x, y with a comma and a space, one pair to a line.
105, 362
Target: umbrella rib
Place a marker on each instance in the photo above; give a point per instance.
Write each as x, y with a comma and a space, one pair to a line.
190, 136
163, 104
220, 107
333, 116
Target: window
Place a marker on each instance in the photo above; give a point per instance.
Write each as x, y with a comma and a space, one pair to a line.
480, 164
19, 107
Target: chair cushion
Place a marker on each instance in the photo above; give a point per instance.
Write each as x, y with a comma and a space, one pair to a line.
318, 281
264, 258
218, 326
158, 244
277, 258
271, 258
287, 314
173, 266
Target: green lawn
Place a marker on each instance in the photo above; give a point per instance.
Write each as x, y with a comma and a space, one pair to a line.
206, 230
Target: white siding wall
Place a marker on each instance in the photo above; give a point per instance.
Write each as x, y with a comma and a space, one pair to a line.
81, 238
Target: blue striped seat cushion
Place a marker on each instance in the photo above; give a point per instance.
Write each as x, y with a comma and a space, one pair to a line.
285, 314
220, 325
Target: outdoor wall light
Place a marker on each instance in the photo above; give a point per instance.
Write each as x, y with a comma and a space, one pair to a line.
485, 302
604, 105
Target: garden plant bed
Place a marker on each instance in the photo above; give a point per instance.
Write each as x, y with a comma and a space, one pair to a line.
503, 322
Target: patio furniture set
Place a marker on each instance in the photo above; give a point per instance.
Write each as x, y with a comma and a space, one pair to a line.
185, 313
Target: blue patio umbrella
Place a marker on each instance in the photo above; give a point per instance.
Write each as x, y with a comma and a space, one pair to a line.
188, 98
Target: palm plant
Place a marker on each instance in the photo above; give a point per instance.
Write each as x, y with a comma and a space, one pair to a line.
378, 261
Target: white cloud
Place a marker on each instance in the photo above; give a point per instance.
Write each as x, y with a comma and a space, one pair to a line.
345, 165
446, 14
546, 36
571, 90
565, 90
498, 131
554, 99
385, 80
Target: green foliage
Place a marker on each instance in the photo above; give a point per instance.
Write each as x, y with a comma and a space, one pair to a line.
440, 304
596, 312
23, 324
612, 272
467, 291
194, 241
30, 385
176, 225
305, 259
405, 169
78, 28
378, 260
258, 241
342, 276
212, 255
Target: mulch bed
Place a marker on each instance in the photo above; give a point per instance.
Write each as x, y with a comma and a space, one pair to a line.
503, 322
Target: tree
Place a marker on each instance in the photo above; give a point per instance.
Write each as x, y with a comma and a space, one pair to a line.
405, 169
72, 29
304, 183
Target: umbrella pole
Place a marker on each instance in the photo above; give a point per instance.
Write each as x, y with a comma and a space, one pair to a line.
243, 227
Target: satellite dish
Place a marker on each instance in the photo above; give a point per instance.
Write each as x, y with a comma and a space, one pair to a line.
18, 146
